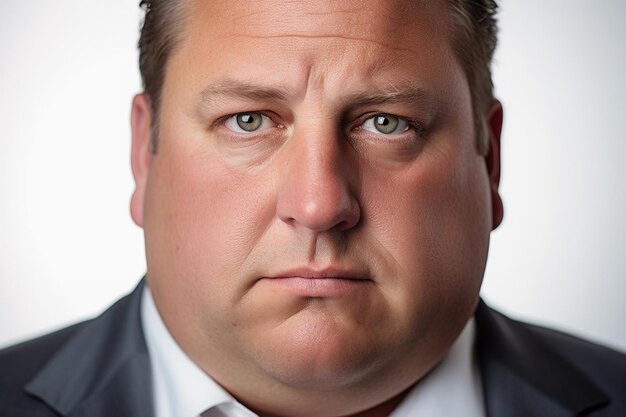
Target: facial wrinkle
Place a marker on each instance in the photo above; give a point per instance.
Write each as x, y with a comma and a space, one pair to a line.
328, 36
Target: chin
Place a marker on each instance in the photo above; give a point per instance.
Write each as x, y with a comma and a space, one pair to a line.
317, 351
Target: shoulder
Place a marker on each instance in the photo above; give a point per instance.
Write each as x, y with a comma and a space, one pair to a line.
552, 367
21, 362
596, 359
80, 369
605, 366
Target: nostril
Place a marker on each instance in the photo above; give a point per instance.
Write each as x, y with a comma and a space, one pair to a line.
352, 216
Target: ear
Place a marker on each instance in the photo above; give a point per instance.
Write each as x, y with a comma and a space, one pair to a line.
494, 130
141, 152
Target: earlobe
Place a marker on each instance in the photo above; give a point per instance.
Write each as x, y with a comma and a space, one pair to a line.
494, 130
141, 155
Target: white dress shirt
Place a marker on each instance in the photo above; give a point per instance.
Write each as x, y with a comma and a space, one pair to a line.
182, 389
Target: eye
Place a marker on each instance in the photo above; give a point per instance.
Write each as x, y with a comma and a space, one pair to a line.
248, 122
386, 124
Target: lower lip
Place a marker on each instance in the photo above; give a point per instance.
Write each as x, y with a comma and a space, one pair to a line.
318, 287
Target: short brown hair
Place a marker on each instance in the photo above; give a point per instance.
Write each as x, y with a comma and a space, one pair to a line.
474, 38
160, 35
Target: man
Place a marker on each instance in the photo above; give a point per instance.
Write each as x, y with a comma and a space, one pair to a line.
317, 182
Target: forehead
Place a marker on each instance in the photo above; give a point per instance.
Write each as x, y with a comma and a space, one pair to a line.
319, 41
364, 19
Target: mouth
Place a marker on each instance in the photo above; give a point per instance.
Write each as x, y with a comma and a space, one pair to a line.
326, 283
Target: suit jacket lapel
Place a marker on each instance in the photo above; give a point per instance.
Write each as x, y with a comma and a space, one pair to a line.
104, 370
522, 376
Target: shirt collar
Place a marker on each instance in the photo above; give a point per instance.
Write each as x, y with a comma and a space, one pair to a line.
182, 389
453, 388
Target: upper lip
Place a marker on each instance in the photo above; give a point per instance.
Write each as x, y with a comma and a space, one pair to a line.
331, 272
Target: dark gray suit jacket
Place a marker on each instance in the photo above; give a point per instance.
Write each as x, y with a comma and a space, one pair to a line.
101, 368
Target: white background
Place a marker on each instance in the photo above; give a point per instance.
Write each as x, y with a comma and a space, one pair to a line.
68, 247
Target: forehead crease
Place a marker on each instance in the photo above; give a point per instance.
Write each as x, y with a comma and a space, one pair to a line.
349, 19
328, 36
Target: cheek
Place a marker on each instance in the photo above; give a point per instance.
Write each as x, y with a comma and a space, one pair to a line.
202, 220
433, 220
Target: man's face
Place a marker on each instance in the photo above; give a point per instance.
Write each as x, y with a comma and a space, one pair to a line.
317, 216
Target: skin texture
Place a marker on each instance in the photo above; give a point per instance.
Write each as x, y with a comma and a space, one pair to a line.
315, 266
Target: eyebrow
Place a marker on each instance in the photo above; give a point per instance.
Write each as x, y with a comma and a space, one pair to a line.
241, 90
403, 94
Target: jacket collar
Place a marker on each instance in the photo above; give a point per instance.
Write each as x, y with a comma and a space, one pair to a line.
103, 370
523, 376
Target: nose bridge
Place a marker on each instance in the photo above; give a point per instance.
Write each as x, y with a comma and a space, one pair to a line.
316, 186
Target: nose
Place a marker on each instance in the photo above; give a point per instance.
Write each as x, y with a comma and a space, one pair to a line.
317, 184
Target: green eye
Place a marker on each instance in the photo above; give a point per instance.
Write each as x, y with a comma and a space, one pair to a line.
249, 122
386, 123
